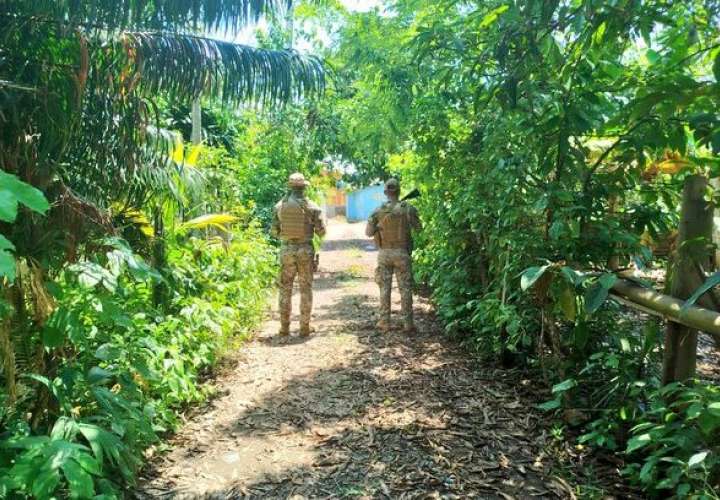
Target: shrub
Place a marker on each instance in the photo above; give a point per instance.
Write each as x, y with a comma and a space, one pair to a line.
119, 369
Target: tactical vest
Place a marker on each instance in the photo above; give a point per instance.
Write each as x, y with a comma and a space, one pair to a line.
394, 226
295, 220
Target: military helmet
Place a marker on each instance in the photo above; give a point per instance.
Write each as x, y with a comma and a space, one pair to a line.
392, 185
297, 180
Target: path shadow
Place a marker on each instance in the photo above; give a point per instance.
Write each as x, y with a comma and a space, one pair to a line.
400, 417
405, 418
362, 245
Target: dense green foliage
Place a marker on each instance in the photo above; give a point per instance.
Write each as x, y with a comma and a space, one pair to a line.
547, 137
129, 260
550, 140
132, 367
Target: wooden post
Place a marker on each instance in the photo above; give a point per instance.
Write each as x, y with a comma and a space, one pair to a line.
692, 253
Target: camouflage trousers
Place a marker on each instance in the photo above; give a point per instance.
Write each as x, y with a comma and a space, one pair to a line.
296, 260
398, 262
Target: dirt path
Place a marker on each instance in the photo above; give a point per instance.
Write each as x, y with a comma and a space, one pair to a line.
351, 412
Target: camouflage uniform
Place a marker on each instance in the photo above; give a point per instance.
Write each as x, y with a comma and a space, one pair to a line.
392, 225
295, 220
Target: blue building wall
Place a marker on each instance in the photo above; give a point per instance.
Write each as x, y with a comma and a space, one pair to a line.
360, 204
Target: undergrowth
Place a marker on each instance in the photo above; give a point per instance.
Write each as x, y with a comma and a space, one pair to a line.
128, 368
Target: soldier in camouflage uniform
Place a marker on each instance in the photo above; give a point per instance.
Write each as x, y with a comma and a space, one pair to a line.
295, 220
391, 225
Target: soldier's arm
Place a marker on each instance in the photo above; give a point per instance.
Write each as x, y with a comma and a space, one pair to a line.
320, 228
275, 224
371, 227
415, 223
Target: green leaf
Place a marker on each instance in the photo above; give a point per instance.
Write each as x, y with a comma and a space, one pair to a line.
106, 445
638, 442
91, 274
7, 265
45, 483
714, 409
666, 484
694, 410
553, 404
647, 469
53, 336
716, 68
625, 344
566, 302
79, 481
708, 423
683, 490
218, 221
493, 16
711, 282
574, 277
531, 275
108, 352
563, 386
23, 193
89, 463
607, 280
98, 375
595, 297
697, 458
6, 244
8, 206
653, 56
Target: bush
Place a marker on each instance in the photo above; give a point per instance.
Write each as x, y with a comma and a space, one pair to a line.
119, 369
676, 449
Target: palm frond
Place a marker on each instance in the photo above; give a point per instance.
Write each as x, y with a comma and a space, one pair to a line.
187, 66
144, 14
218, 221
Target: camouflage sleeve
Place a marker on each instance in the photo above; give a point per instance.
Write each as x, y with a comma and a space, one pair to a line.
319, 223
275, 225
371, 227
415, 223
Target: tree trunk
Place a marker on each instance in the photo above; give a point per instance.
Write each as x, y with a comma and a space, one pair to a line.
614, 258
7, 350
159, 258
196, 134
693, 252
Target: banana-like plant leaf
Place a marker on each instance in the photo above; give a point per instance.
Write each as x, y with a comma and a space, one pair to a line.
219, 221
531, 275
711, 282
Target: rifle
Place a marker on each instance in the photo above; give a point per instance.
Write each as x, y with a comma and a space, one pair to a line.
316, 244
415, 193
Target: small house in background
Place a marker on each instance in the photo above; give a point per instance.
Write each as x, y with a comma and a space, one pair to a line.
333, 193
335, 202
362, 203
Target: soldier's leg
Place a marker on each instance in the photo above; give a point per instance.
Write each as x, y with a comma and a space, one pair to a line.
288, 270
383, 277
305, 277
403, 270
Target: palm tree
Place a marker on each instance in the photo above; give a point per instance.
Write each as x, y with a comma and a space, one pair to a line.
80, 84
79, 80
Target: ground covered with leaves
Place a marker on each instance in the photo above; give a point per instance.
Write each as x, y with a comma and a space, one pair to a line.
351, 412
